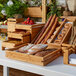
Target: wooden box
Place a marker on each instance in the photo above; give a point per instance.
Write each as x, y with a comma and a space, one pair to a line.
32, 58
67, 51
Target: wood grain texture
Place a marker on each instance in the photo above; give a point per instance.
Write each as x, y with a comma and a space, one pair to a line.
50, 31
47, 29
43, 30
10, 53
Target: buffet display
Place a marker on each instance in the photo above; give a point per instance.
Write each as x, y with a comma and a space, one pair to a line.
38, 43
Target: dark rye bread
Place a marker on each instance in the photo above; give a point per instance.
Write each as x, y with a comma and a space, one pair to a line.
45, 52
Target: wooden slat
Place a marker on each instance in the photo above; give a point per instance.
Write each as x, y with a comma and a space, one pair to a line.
67, 35
58, 31
65, 55
47, 29
51, 59
44, 11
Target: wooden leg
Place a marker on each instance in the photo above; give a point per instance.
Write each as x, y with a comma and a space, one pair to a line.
5, 71
3, 48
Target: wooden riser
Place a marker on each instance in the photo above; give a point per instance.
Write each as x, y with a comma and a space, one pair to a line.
67, 51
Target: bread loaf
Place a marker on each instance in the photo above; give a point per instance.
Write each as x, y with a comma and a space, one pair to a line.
25, 48
37, 48
44, 53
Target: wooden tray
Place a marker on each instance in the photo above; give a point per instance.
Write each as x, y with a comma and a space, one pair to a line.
9, 44
29, 27
67, 52
18, 35
10, 53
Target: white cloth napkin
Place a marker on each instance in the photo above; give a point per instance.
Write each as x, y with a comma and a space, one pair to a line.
72, 59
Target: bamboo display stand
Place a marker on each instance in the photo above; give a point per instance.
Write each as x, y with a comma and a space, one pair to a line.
67, 51
33, 30
68, 34
16, 38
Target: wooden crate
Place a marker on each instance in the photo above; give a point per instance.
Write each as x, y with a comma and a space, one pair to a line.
10, 53
67, 52
68, 34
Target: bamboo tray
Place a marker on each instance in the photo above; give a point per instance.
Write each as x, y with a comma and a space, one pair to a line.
29, 27
67, 53
8, 44
11, 44
10, 53
18, 35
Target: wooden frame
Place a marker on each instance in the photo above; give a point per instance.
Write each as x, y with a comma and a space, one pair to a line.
70, 19
39, 12
67, 52
10, 53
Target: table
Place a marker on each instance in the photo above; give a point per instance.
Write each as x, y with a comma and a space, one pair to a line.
55, 68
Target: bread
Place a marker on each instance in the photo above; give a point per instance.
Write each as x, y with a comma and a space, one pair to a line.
44, 53
64, 31
67, 25
37, 48
60, 36
25, 48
